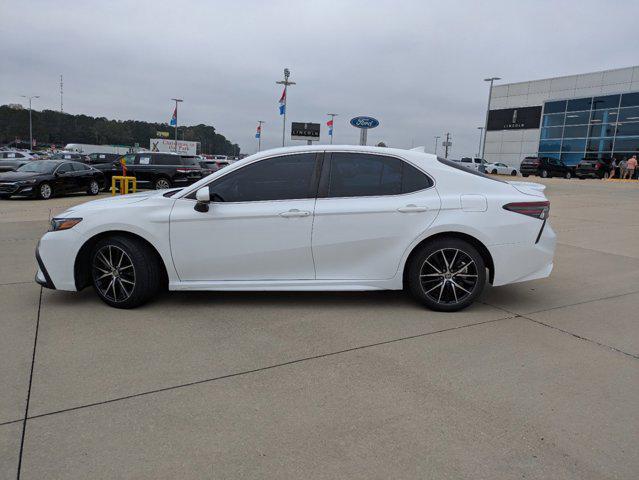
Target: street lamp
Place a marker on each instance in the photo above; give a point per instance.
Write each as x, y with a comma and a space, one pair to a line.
481, 129
30, 123
436, 142
490, 93
176, 100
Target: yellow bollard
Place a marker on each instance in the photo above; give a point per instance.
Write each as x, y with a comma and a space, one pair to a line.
123, 184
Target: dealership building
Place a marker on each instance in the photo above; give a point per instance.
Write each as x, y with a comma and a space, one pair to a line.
591, 115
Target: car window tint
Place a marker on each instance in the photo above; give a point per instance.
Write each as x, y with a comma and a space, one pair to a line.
279, 178
80, 167
190, 161
167, 159
362, 174
65, 167
414, 180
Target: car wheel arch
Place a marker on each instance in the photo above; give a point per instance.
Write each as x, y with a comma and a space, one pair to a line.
479, 245
81, 267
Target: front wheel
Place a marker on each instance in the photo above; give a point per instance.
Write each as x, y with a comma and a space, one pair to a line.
125, 272
447, 274
94, 188
568, 175
513, 173
544, 174
494, 172
45, 192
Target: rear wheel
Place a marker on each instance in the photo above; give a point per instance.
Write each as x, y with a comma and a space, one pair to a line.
125, 272
447, 274
606, 175
162, 183
544, 173
513, 173
494, 172
568, 175
45, 191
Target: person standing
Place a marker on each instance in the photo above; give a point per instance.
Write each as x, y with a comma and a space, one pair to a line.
613, 168
631, 167
622, 168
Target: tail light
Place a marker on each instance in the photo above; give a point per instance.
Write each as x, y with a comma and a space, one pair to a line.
538, 210
597, 166
184, 170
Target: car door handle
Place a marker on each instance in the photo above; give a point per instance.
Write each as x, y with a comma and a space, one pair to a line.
412, 209
294, 212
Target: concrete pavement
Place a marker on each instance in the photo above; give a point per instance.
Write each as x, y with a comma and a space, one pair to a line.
538, 380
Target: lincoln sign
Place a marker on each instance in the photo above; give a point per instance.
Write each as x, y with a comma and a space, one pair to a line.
514, 118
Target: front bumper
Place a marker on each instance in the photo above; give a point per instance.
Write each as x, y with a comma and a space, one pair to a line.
56, 254
42, 275
15, 188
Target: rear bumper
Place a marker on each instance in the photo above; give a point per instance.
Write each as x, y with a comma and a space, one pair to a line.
524, 261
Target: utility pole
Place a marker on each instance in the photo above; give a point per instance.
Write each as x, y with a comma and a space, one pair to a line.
331, 124
176, 100
30, 123
481, 130
447, 144
286, 83
490, 93
437, 137
61, 95
259, 134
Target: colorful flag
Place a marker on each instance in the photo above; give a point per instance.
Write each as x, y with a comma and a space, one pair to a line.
330, 127
283, 102
173, 121
258, 132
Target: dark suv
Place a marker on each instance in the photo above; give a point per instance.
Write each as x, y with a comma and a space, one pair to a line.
545, 167
162, 170
588, 168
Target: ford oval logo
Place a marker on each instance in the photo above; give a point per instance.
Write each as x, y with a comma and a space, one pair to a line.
364, 122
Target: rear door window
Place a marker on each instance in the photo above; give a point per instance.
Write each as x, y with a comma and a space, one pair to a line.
143, 160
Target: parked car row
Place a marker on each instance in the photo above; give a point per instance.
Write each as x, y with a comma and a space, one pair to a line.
23, 175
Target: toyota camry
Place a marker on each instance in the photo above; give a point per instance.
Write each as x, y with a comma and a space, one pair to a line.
308, 218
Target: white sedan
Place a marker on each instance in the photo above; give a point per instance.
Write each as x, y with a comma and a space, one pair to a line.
500, 169
308, 218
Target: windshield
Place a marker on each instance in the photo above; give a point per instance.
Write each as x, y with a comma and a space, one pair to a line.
39, 166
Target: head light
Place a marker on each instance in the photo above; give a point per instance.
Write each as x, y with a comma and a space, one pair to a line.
63, 223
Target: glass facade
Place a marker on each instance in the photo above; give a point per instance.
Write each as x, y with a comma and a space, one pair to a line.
592, 128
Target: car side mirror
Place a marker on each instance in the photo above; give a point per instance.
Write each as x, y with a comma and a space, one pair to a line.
203, 198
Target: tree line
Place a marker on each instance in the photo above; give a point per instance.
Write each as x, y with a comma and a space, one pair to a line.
55, 128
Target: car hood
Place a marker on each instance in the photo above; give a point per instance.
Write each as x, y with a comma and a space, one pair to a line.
113, 202
17, 176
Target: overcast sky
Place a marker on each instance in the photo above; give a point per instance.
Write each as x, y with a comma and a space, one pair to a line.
417, 66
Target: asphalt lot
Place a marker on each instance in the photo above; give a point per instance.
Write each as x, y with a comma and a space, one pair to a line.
539, 380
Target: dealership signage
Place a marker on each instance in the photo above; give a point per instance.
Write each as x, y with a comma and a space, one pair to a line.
364, 122
514, 118
305, 131
166, 145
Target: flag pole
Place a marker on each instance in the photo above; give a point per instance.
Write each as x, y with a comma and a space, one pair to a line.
259, 139
286, 83
177, 100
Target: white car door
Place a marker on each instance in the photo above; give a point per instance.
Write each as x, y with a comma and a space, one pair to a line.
258, 226
369, 210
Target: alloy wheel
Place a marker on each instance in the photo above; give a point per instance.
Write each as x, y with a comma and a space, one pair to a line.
113, 273
161, 184
448, 276
45, 191
94, 187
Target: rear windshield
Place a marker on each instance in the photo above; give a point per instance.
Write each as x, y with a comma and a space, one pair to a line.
457, 166
190, 161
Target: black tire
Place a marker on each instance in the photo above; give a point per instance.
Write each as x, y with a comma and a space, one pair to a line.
145, 278
606, 176
544, 174
45, 191
494, 172
94, 187
524, 174
567, 175
161, 183
513, 173
423, 277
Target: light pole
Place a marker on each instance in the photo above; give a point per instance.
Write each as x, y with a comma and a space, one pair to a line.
176, 100
436, 141
30, 123
259, 134
490, 94
481, 130
331, 124
286, 83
